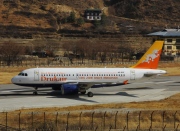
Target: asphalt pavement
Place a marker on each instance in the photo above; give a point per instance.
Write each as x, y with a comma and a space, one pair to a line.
13, 97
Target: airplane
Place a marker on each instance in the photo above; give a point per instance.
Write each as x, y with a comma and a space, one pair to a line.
75, 80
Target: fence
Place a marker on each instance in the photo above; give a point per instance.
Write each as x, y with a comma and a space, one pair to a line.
90, 121
50, 62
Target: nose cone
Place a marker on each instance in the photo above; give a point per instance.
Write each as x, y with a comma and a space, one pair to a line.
14, 80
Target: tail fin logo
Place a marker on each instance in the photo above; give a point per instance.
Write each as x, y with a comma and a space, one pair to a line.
151, 57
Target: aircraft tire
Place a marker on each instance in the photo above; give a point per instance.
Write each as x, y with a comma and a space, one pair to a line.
35, 93
83, 92
90, 94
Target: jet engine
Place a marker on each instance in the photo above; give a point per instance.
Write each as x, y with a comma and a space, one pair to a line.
69, 89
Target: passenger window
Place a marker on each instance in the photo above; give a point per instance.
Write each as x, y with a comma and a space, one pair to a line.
26, 74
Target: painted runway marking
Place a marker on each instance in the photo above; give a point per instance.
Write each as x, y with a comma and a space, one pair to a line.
153, 82
14, 90
160, 82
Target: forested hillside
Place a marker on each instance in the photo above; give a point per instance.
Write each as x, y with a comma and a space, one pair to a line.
31, 18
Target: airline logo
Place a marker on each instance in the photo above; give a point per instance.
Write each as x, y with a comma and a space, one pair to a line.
151, 58
43, 78
51, 76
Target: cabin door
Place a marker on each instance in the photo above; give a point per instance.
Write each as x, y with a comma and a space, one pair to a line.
132, 75
36, 75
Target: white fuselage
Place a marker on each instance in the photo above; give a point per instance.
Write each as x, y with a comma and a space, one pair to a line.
53, 76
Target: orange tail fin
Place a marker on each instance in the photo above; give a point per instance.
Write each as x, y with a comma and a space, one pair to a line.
151, 58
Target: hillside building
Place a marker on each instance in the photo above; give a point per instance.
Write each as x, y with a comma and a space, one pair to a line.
171, 39
93, 14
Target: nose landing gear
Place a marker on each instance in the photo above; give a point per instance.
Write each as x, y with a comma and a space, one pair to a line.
35, 92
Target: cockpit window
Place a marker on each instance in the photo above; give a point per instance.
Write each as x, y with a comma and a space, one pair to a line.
22, 74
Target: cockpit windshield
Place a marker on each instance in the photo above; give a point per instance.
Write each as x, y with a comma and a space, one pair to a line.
22, 74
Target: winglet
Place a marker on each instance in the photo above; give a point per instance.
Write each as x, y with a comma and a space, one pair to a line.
151, 58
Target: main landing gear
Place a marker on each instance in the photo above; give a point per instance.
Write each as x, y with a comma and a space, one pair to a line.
35, 92
90, 94
83, 92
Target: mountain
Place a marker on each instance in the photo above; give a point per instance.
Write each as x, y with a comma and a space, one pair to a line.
31, 18
160, 11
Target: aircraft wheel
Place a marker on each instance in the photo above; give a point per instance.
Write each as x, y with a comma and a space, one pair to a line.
83, 92
35, 93
90, 94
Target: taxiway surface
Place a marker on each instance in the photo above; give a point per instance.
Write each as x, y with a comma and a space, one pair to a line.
14, 97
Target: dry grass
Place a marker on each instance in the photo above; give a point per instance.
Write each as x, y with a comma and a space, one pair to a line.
169, 103
8, 72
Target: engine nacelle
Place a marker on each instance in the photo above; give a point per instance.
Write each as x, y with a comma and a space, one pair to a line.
69, 89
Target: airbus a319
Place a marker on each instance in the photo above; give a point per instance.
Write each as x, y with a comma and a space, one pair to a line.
75, 80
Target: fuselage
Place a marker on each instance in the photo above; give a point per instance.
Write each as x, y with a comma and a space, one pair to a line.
74, 80
42, 77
